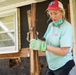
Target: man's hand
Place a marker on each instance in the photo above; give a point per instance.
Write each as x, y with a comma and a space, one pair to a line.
37, 45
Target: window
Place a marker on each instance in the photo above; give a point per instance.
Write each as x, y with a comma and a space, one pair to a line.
9, 31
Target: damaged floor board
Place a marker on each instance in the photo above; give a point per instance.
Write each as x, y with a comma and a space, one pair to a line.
23, 68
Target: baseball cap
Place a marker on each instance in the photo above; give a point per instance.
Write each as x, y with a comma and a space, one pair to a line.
55, 5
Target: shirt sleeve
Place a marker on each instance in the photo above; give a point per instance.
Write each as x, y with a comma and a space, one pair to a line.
66, 37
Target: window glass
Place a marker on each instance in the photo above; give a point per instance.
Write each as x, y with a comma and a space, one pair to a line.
7, 31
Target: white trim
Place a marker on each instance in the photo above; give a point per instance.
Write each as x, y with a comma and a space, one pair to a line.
6, 30
15, 48
11, 11
6, 50
20, 4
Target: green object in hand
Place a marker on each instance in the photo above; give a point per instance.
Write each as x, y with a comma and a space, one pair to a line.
37, 45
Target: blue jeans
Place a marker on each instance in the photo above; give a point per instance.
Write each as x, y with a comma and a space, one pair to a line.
63, 70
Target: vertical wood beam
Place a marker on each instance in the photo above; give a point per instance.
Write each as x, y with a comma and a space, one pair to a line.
73, 22
34, 54
34, 63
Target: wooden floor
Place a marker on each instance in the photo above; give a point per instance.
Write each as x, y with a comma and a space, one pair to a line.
23, 67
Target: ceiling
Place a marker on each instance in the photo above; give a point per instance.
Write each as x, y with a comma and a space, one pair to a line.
8, 4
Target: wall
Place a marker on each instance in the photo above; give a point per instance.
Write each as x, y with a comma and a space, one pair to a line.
41, 20
24, 66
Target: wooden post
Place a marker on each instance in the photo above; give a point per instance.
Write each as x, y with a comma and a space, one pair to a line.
73, 22
34, 64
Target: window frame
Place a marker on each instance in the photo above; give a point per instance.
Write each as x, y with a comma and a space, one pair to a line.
17, 46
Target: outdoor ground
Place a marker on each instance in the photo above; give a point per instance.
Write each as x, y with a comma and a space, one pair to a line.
23, 68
